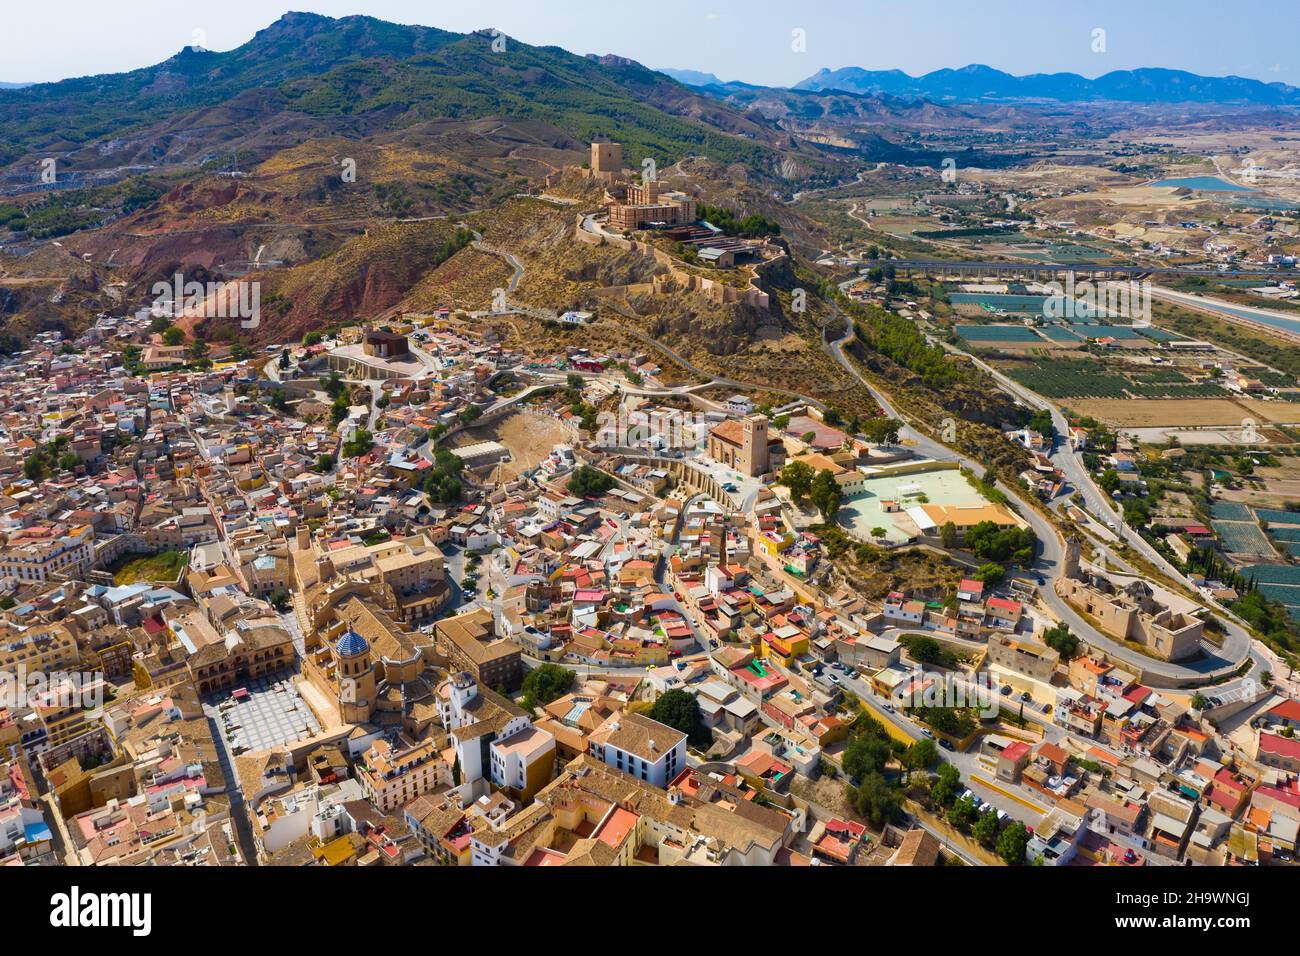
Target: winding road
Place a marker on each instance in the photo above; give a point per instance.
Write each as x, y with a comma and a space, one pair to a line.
1217, 662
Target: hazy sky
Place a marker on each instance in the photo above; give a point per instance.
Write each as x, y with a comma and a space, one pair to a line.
736, 39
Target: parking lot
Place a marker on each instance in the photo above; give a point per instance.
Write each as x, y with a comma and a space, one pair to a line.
272, 715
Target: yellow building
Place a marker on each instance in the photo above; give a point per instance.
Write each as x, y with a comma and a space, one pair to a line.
786, 644
772, 543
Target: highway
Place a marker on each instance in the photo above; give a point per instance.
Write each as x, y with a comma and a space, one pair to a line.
1285, 324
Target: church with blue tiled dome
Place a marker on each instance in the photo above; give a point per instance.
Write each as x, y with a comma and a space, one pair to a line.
351, 644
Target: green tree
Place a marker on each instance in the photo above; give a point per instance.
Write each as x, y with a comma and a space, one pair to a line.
824, 492
339, 407
993, 543
963, 814
948, 535
797, 476
991, 574
359, 444
925, 650
1012, 843
680, 710
986, 829
545, 683
1041, 422
173, 336
1060, 639
881, 431
589, 482
876, 800
944, 789
325, 463
921, 755
864, 754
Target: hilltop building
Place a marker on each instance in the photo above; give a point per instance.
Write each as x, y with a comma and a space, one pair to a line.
607, 161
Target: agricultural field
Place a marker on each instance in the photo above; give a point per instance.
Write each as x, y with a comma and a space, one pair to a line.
1230, 511
1084, 378
1241, 537
998, 334
1225, 413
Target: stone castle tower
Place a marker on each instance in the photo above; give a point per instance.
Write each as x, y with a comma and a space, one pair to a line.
607, 161
1070, 563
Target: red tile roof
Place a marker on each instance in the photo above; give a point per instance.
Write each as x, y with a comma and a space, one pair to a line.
1282, 746
1287, 710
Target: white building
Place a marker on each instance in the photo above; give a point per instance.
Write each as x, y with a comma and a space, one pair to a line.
523, 762
637, 745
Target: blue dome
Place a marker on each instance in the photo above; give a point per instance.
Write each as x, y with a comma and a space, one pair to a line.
351, 644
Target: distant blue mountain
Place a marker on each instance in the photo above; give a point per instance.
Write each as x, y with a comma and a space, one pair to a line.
978, 82
13, 86
692, 77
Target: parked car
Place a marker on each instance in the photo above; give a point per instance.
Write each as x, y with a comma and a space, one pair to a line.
835, 678
945, 744
925, 732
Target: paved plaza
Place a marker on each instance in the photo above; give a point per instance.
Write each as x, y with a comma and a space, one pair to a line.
274, 714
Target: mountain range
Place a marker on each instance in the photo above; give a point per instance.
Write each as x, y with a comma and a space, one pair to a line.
978, 82
226, 164
361, 72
